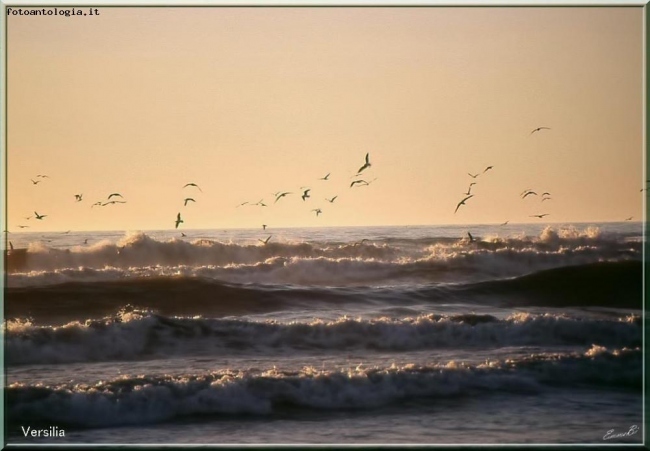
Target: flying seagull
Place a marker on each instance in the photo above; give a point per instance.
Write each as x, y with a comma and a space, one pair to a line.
469, 189
264, 226
23, 226
487, 169
505, 222
187, 200
183, 235
35, 182
326, 177
78, 197
115, 194
178, 219
366, 164
28, 217
243, 203
546, 198
306, 195
266, 241
546, 194
280, 196
113, 202
331, 200
528, 194
359, 181
193, 184
471, 238
96, 203
539, 216
462, 202
37, 216
261, 203
472, 175
539, 128
43, 176
318, 211
628, 219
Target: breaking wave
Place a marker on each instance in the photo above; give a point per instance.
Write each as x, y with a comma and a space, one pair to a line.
134, 334
154, 399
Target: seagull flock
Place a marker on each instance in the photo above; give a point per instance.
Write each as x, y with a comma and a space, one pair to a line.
524, 194
117, 198
306, 194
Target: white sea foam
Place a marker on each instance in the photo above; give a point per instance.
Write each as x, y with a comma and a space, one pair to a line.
136, 334
147, 399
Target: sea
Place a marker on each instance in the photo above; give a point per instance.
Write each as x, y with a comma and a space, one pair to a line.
521, 334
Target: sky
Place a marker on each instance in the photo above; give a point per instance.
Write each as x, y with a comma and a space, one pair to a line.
246, 102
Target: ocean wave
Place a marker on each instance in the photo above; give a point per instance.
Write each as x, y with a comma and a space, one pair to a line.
608, 284
134, 334
151, 399
321, 263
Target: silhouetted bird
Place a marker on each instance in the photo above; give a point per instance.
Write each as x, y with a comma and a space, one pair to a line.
193, 184
462, 202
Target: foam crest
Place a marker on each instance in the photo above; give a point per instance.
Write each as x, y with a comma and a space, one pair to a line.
138, 250
150, 399
133, 334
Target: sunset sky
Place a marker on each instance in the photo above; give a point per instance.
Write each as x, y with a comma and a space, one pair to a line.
246, 102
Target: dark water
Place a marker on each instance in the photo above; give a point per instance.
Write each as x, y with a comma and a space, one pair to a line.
413, 335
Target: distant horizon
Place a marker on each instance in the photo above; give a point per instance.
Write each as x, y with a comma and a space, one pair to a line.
332, 227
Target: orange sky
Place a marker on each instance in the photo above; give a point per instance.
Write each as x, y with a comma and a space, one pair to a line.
249, 101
